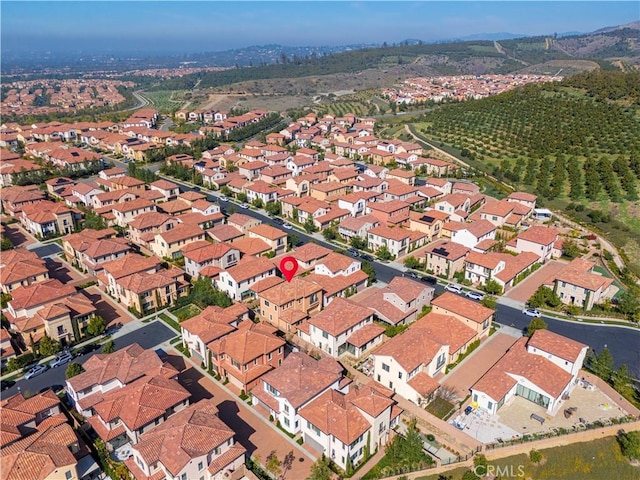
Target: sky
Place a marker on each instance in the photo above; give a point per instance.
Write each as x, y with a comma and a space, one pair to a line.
190, 27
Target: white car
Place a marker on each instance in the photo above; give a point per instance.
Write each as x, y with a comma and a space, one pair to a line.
244, 205
224, 198
287, 226
35, 371
61, 359
531, 312
474, 295
453, 288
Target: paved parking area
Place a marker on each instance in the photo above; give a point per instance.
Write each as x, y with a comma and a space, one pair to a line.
473, 367
523, 291
48, 250
591, 405
252, 431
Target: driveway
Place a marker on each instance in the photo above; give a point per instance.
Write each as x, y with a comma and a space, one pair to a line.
63, 272
17, 236
106, 307
252, 431
476, 365
523, 291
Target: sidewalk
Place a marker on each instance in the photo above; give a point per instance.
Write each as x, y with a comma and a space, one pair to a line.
525, 448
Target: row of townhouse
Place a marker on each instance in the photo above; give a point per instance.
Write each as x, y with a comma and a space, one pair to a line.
37, 442
131, 397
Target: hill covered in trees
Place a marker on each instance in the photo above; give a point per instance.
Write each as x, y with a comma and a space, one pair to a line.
575, 143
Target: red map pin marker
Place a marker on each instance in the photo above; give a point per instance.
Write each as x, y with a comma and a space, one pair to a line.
289, 267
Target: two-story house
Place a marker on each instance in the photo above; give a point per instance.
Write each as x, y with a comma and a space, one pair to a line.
123, 414
577, 284
204, 258
193, 443
357, 226
20, 268
391, 213
332, 329
246, 354
542, 369
395, 239
343, 427
293, 385
537, 239
274, 237
106, 372
469, 234
211, 324
399, 302
170, 244
237, 280
470, 313
287, 304
169, 190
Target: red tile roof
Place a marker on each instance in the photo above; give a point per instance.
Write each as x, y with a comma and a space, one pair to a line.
450, 302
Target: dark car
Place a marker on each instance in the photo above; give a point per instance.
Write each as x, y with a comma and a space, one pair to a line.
4, 384
367, 257
353, 252
278, 220
428, 279
92, 347
412, 275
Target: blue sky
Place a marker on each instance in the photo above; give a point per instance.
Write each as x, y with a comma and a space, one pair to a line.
208, 25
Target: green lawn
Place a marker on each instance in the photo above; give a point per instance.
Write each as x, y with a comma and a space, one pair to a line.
171, 322
439, 407
596, 460
187, 311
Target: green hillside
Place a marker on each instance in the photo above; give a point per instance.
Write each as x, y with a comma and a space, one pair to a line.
572, 143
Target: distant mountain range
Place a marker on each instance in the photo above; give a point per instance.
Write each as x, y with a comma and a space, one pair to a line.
573, 44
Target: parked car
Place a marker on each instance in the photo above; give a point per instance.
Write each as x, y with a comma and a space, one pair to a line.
224, 198
453, 288
428, 279
287, 226
474, 295
412, 275
367, 257
244, 205
278, 221
35, 371
353, 252
4, 384
531, 312
61, 359
91, 347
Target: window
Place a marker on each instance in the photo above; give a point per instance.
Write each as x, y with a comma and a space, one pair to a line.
68, 475
489, 405
391, 385
400, 375
385, 367
325, 334
200, 466
266, 303
286, 408
286, 421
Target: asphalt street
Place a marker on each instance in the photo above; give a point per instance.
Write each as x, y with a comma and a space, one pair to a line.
149, 336
623, 343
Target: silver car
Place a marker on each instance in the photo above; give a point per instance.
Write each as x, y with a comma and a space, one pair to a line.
35, 371
61, 359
